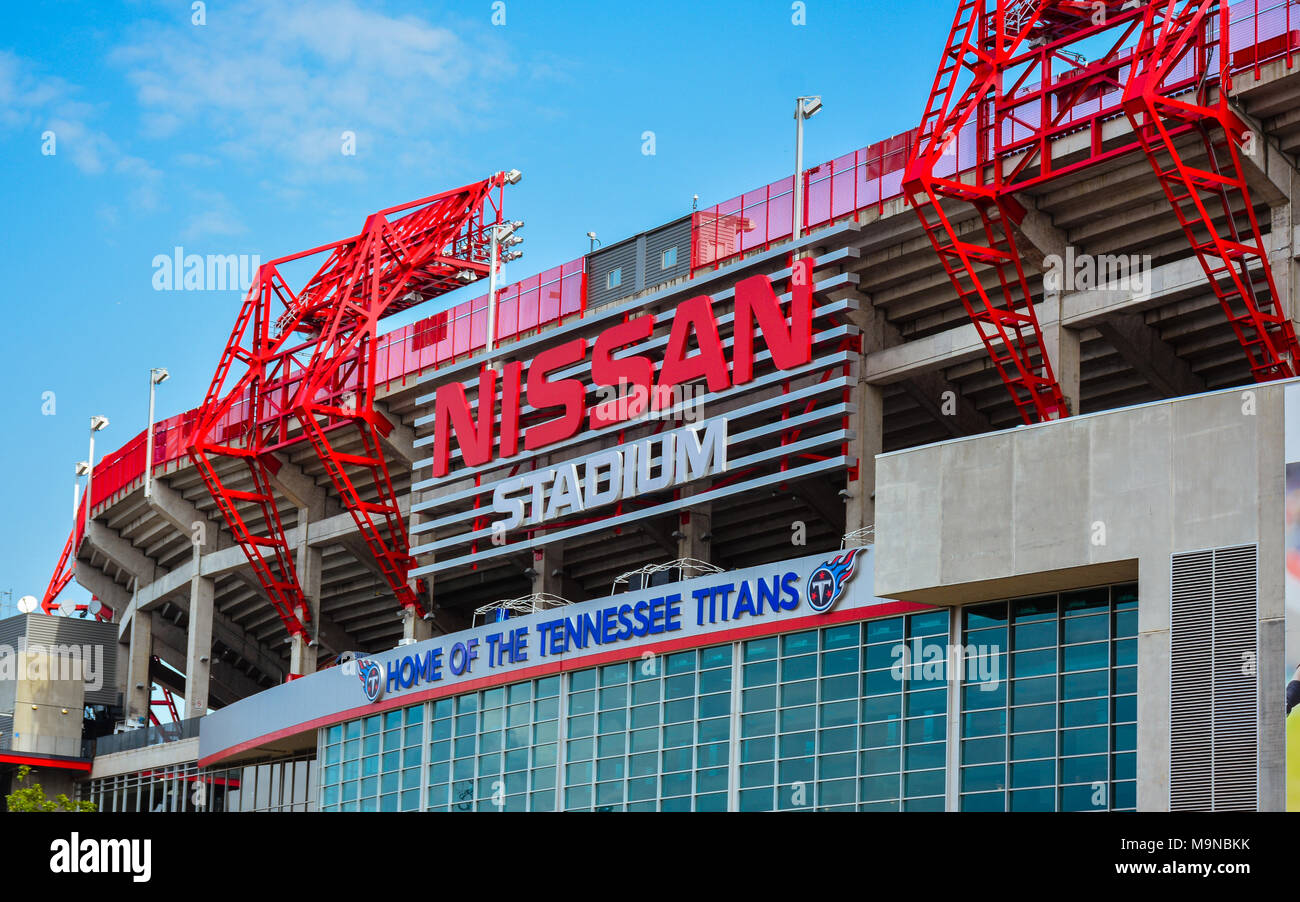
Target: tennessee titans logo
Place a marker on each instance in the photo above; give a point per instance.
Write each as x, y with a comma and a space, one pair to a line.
828, 581
372, 679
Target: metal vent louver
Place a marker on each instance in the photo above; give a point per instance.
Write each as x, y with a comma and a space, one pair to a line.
1214, 691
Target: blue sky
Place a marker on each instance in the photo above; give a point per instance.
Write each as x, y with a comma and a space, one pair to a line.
226, 138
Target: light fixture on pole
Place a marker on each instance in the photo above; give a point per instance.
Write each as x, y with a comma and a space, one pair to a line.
502, 235
594, 241
82, 468
97, 423
157, 376
804, 108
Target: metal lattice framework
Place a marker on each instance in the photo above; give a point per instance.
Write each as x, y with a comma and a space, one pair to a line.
689, 567
528, 604
66, 569
1212, 204
1012, 73
309, 373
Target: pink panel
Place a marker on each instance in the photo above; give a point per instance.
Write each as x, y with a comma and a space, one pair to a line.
460, 331
780, 215
507, 315
844, 194
755, 217
527, 310
818, 207
478, 327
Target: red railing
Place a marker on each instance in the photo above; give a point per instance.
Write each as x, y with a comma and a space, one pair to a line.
848, 185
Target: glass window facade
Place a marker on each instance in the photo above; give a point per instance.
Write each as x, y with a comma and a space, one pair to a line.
286, 784
373, 764
1033, 709
1061, 733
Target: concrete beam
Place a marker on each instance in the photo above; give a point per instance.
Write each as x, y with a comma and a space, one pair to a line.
401, 440
825, 503
227, 683
1269, 172
121, 552
658, 535
937, 397
232, 635
301, 490
329, 634
97, 583
1142, 348
929, 388
446, 621
185, 518
548, 570
1079, 310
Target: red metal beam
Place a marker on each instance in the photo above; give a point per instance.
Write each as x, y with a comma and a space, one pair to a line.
308, 371
1155, 63
1212, 202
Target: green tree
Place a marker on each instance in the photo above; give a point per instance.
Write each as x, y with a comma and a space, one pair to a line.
32, 798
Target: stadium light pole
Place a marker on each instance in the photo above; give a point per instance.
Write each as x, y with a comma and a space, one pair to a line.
157, 376
82, 468
503, 235
96, 424
804, 108
499, 235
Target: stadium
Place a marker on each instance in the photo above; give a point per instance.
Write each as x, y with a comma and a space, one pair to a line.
948, 474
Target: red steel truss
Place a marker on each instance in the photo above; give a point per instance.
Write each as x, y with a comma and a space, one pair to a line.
1011, 73
66, 569
309, 373
1211, 200
979, 44
167, 701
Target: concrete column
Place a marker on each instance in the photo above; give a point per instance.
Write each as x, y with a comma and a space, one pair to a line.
138, 690
548, 570
415, 629
198, 646
1062, 348
1283, 251
302, 655
867, 422
694, 530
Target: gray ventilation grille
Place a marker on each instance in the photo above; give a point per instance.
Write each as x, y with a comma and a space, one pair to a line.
1214, 683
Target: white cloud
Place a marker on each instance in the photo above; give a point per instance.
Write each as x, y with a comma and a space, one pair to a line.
212, 215
32, 101
283, 83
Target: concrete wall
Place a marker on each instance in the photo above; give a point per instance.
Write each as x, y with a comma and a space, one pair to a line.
47, 706
151, 757
1097, 498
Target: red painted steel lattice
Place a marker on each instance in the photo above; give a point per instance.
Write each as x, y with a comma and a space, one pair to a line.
1011, 78
309, 372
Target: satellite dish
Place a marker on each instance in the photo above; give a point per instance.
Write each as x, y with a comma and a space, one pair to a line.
95, 607
67, 608
27, 604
